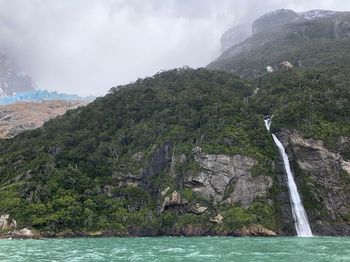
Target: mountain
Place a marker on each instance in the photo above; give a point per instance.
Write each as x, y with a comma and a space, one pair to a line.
281, 39
186, 152
154, 157
12, 82
19, 117
235, 35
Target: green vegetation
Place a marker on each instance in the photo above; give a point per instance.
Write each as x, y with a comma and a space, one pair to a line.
69, 174
85, 170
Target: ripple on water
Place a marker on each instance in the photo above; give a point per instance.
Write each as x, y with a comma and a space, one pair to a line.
177, 249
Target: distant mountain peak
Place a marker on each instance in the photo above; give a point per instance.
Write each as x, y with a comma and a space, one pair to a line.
11, 81
280, 17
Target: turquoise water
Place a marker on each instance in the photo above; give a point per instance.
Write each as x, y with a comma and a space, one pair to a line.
177, 249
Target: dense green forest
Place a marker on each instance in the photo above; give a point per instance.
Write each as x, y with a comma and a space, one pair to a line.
53, 177
112, 164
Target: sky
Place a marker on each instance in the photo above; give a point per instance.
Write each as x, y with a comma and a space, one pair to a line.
86, 47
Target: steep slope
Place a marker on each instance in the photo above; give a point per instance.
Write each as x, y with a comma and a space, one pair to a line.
12, 82
313, 39
186, 152
311, 116
300, 64
179, 153
19, 117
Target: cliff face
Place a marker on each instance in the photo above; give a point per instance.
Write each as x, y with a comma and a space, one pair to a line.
310, 39
19, 117
228, 179
323, 176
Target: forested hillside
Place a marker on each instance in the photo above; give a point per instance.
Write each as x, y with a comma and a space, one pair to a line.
185, 152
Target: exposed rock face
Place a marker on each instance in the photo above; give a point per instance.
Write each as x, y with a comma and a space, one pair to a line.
257, 231
228, 179
282, 35
160, 160
12, 82
217, 219
324, 180
19, 117
198, 209
6, 223
23, 233
273, 20
287, 65
174, 199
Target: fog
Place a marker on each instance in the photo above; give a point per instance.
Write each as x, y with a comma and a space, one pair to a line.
88, 46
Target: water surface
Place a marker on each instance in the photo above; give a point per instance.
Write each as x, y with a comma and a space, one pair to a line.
177, 249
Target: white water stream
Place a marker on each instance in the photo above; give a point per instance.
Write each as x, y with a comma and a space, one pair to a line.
301, 221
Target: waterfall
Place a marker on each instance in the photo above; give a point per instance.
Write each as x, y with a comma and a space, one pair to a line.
301, 221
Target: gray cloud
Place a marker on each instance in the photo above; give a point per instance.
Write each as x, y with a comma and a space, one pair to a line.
88, 46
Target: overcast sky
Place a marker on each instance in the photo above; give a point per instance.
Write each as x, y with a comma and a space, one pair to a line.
88, 46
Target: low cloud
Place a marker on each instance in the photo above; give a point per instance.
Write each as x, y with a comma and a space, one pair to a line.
86, 47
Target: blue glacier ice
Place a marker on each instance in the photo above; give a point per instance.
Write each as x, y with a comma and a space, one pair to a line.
41, 95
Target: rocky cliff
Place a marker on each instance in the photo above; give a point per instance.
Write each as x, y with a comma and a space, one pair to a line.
311, 39
228, 179
324, 181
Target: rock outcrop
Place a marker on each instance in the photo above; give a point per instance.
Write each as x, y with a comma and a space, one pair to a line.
324, 181
228, 179
23, 233
159, 161
277, 19
257, 231
19, 117
7, 223
283, 35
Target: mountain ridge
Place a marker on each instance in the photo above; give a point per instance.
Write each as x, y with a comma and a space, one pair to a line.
186, 152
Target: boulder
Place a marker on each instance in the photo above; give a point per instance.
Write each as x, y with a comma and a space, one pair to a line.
217, 219
257, 231
23, 233
198, 209
174, 199
7, 223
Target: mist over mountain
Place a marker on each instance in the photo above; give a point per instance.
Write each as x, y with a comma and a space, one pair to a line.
285, 39
86, 47
193, 152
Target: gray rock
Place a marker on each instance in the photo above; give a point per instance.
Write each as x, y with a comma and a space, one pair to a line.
7, 223
327, 177
23, 233
222, 171
159, 161
173, 199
